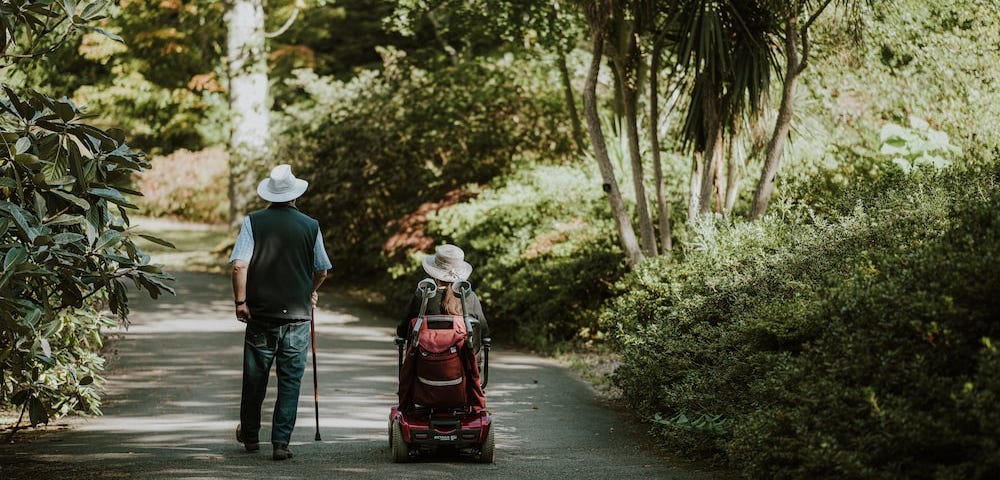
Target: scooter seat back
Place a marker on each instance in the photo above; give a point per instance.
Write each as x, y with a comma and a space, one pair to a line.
440, 333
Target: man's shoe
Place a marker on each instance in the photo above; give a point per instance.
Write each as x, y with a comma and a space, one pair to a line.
250, 445
281, 452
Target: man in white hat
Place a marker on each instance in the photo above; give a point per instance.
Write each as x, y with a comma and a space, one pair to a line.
278, 262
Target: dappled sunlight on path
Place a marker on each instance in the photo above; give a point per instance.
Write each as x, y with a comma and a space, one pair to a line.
172, 405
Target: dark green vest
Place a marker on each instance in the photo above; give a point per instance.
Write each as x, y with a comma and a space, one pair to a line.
280, 277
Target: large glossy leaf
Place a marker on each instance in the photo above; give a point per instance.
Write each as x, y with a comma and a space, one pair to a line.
129, 191
37, 412
60, 181
41, 206
15, 256
69, 6
23, 218
105, 33
156, 240
31, 318
111, 195
75, 200
94, 224
93, 11
22, 145
107, 239
64, 219
65, 109
22, 109
107, 142
29, 160
67, 237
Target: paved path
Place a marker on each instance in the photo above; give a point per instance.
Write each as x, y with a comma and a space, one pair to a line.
172, 404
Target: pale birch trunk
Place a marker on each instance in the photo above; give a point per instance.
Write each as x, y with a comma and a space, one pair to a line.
250, 116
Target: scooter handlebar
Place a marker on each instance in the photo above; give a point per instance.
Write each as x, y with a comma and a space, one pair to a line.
462, 288
427, 288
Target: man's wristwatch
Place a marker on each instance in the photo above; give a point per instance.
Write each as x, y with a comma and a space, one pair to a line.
240, 302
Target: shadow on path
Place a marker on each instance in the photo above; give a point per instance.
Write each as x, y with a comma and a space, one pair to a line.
172, 404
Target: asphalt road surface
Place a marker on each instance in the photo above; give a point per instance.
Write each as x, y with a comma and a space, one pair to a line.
172, 404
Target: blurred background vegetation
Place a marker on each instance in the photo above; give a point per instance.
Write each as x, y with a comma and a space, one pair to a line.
848, 333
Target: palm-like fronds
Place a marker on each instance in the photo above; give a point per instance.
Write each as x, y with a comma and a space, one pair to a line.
728, 49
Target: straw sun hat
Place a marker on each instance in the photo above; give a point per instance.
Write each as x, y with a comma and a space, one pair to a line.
281, 185
447, 264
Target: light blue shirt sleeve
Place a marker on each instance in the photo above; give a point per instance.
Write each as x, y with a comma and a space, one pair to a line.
243, 250
321, 261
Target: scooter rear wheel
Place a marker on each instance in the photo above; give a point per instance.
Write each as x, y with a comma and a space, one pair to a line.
487, 448
400, 450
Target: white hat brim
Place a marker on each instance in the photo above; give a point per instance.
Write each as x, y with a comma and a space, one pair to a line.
462, 273
298, 188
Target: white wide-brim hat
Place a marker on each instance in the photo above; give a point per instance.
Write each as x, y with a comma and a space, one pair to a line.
447, 264
281, 186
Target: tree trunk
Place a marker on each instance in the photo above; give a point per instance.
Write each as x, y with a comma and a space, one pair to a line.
718, 187
713, 157
734, 173
662, 209
782, 125
249, 136
625, 232
452, 53
694, 187
628, 77
574, 115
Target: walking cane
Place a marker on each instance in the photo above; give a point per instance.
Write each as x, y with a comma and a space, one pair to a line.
312, 328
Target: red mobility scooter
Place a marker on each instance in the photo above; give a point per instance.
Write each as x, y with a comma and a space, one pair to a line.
442, 404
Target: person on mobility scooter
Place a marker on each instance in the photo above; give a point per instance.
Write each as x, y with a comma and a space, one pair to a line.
443, 345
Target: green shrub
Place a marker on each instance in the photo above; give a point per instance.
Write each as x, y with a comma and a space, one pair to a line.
67, 249
858, 347
187, 185
66, 244
544, 253
923, 59
377, 147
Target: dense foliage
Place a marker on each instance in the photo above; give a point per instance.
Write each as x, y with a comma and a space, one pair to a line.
543, 250
377, 147
858, 347
847, 335
66, 246
925, 66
